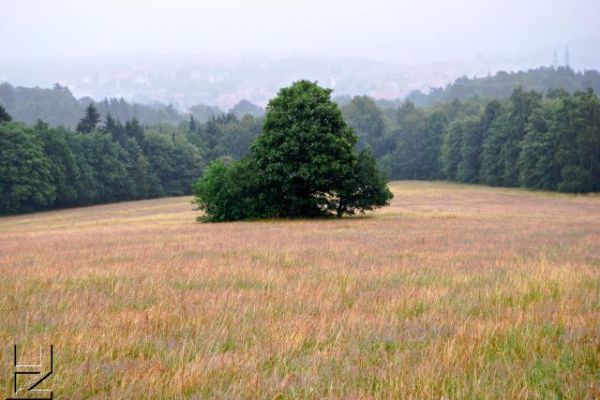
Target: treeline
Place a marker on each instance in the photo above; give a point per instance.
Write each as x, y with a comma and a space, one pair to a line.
501, 85
58, 107
547, 142
42, 167
531, 140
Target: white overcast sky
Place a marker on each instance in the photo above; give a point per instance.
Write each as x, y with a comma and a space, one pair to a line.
378, 29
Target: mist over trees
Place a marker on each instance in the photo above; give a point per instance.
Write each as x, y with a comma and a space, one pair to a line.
4, 116
58, 106
501, 85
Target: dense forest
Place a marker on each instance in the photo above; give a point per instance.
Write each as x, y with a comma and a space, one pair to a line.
43, 167
530, 140
548, 140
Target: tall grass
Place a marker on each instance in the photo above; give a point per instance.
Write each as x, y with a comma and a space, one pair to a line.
453, 291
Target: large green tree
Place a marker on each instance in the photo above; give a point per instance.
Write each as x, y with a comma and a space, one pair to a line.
305, 152
302, 165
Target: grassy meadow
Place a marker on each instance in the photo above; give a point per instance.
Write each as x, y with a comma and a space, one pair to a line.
452, 292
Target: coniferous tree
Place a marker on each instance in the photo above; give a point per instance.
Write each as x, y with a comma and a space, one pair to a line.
4, 115
192, 125
115, 128
90, 121
134, 130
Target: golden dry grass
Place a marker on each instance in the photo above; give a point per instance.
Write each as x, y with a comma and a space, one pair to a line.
452, 292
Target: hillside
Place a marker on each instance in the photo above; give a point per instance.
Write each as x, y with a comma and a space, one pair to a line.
453, 291
58, 106
501, 85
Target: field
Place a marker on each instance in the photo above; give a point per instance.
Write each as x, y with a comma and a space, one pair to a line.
452, 292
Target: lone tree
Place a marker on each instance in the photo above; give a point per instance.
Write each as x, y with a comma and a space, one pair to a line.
303, 165
91, 119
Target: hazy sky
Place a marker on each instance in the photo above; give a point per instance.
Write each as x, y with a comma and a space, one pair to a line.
380, 29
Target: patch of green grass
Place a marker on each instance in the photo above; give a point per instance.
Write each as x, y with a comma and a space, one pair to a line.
543, 378
412, 310
227, 345
241, 283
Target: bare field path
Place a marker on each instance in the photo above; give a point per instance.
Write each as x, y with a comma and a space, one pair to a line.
453, 291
